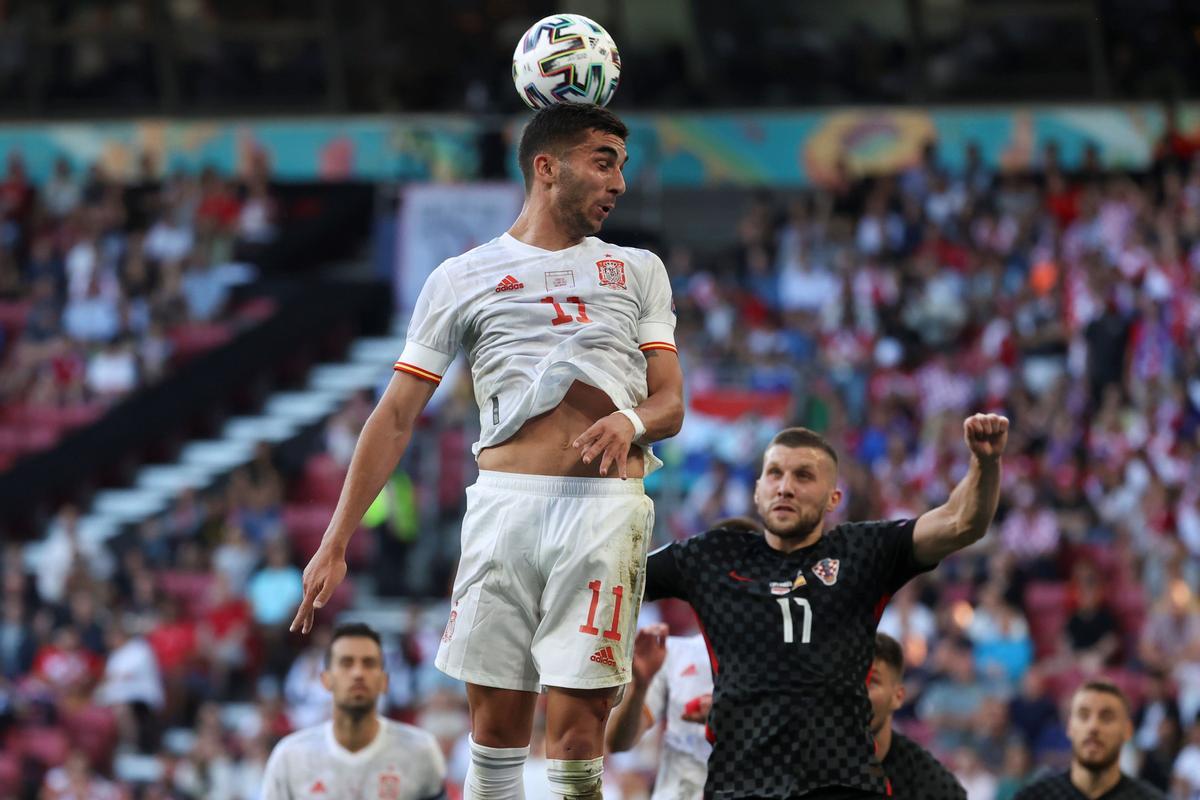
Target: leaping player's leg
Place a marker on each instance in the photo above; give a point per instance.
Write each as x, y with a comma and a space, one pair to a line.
501, 726
594, 554
575, 720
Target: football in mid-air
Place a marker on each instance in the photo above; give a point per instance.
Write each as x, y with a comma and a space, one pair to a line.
566, 58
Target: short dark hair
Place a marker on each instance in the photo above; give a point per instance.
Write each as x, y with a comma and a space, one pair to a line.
555, 128
352, 629
803, 437
889, 651
1106, 687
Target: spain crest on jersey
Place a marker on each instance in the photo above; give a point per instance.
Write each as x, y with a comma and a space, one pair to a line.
827, 570
612, 272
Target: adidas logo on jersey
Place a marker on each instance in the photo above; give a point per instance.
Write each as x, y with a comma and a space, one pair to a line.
509, 284
317, 788
605, 656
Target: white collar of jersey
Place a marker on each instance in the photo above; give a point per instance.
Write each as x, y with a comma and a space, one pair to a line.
365, 754
513, 241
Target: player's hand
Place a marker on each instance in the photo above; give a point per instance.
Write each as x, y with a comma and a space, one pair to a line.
608, 439
986, 435
324, 572
649, 652
697, 709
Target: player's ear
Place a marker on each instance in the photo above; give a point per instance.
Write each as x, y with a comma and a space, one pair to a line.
835, 498
326, 680
545, 167
898, 697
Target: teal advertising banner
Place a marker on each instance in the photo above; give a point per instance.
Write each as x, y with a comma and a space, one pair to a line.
782, 149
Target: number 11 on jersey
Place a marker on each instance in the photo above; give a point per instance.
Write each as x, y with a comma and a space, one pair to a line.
806, 627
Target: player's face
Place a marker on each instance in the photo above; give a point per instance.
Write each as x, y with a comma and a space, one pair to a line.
590, 181
355, 676
886, 691
797, 488
1099, 726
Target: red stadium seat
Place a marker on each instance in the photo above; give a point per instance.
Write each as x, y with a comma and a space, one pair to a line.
321, 482
194, 338
191, 589
93, 729
10, 774
46, 745
1047, 611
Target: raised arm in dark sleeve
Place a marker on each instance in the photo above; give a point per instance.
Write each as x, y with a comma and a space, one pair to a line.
664, 578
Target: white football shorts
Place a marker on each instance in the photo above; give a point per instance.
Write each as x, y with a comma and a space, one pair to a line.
550, 582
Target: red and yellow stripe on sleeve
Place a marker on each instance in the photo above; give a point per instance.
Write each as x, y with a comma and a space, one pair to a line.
413, 369
658, 346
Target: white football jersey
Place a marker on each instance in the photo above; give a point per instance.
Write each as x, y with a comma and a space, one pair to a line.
403, 763
686, 674
533, 321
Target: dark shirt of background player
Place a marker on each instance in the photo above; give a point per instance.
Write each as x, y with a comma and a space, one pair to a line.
913, 772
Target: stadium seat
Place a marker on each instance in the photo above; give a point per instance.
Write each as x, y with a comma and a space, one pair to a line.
93, 729
321, 481
193, 338
191, 589
48, 746
1046, 607
10, 774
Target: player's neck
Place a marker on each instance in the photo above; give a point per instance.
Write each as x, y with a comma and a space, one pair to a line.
539, 226
1095, 784
883, 741
791, 545
354, 733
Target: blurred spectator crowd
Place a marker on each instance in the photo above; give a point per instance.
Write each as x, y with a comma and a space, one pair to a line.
881, 312
104, 285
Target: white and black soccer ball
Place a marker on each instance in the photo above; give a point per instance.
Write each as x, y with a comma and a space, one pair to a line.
566, 58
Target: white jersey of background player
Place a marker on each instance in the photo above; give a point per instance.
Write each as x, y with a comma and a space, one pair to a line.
571, 347
357, 755
672, 686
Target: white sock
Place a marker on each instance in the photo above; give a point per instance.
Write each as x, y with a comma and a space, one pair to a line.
495, 773
575, 780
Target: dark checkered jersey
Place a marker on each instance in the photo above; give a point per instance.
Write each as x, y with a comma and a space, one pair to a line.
916, 775
1059, 787
791, 637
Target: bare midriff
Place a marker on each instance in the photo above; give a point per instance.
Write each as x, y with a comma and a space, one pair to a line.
542, 446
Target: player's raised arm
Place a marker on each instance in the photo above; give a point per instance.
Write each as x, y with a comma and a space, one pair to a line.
965, 517
380, 446
632, 717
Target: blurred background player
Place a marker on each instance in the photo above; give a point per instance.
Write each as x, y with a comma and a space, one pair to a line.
791, 615
1098, 728
571, 345
672, 689
911, 770
358, 754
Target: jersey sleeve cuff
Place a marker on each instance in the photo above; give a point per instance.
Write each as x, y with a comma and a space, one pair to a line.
656, 336
423, 362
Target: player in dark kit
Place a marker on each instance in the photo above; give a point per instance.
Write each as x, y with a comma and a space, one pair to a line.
913, 772
1098, 728
790, 616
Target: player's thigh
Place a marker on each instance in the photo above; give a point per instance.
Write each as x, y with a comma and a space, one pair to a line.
494, 608
594, 558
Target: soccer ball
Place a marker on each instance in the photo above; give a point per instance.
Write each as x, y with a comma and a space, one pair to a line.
566, 58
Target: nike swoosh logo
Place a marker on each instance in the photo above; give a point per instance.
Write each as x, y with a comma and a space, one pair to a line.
733, 574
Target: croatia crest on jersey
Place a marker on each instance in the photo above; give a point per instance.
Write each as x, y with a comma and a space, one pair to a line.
827, 570
612, 272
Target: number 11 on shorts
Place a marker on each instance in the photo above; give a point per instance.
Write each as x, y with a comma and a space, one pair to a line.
590, 628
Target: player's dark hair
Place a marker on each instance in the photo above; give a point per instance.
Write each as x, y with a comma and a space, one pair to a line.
889, 651
803, 437
352, 629
556, 128
1107, 687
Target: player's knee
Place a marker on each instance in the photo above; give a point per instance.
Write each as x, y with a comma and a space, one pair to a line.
575, 779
